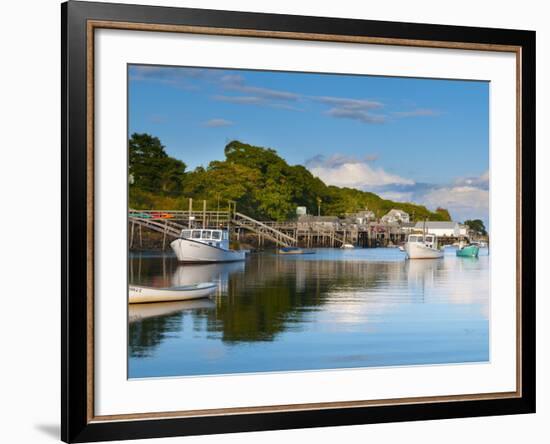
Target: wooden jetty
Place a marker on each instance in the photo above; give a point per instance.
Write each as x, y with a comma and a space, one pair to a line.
169, 224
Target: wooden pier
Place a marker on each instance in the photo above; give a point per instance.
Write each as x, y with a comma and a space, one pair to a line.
285, 234
169, 223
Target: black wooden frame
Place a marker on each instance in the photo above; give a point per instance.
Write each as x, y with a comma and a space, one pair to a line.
75, 424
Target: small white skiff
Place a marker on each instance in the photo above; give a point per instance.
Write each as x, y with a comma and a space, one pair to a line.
139, 295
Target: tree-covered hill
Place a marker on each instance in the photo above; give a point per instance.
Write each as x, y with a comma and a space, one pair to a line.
262, 184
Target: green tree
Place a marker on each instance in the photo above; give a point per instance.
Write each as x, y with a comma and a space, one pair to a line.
261, 182
151, 169
476, 225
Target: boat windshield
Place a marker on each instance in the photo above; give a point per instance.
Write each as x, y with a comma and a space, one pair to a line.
215, 235
416, 239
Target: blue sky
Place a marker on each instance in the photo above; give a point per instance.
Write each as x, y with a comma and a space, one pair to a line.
419, 140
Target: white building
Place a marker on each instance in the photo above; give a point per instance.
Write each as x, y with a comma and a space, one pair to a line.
464, 230
305, 221
363, 217
449, 229
301, 211
394, 216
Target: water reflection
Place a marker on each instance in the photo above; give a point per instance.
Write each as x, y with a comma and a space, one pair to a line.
272, 311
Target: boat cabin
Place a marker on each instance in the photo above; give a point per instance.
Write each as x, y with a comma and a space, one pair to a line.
215, 238
430, 240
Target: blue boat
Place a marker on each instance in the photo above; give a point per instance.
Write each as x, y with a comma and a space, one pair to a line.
468, 251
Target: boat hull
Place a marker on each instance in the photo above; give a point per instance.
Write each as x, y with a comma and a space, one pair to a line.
141, 295
191, 251
469, 251
417, 250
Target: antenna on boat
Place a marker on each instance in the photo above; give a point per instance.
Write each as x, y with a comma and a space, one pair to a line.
424, 230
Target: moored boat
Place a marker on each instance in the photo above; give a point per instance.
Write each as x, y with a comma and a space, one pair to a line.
468, 251
293, 250
140, 295
347, 246
201, 245
423, 246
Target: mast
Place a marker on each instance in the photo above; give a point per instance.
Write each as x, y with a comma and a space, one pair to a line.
424, 230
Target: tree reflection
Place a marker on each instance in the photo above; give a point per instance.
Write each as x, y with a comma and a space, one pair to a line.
259, 300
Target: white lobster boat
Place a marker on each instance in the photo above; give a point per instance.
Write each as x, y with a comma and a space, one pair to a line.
423, 246
202, 245
140, 295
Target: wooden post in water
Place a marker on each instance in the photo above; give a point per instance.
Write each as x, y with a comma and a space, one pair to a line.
190, 212
132, 235
218, 213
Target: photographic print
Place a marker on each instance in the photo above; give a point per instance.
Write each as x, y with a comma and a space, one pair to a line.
275, 222
297, 221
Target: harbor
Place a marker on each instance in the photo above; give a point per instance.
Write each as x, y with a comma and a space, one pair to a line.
155, 229
335, 308
314, 293
261, 239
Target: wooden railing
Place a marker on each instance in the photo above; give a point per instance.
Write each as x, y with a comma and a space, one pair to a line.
260, 228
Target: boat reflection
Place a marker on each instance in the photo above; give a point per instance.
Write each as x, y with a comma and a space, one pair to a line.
195, 273
139, 312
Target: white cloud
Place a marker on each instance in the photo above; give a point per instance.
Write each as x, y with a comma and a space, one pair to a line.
397, 196
349, 172
354, 109
481, 181
238, 83
356, 114
419, 112
465, 198
344, 102
216, 123
460, 198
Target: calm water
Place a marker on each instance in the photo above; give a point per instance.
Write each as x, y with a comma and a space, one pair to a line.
332, 309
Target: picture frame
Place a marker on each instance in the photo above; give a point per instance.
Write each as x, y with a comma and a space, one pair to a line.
80, 22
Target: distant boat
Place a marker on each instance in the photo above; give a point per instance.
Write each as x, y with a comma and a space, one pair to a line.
347, 246
480, 244
293, 250
139, 295
203, 245
421, 246
468, 251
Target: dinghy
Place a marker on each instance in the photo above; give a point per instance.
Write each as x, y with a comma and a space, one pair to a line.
139, 295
